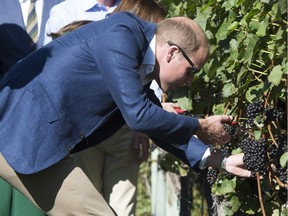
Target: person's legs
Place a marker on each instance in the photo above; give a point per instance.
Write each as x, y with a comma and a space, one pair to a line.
114, 162
120, 174
62, 189
91, 161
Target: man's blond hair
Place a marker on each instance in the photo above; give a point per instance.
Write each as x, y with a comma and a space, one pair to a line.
184, 32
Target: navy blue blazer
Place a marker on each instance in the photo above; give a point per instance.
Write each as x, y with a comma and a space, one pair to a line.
78, 90
15, 43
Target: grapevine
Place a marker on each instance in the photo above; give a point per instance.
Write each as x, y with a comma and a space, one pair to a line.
245, 76
264, 156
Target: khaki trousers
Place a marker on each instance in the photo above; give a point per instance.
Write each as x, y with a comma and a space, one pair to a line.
113, 168
60, 190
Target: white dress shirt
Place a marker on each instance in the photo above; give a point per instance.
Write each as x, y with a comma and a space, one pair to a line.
147, 67
25, 4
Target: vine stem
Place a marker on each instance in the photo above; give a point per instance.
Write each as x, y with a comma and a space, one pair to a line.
239, 116
271, 134
272, 176
260, 194
256, 71
256, 77
280, 182
226, 108
267, 95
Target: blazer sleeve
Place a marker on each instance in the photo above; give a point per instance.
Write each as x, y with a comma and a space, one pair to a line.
190, 153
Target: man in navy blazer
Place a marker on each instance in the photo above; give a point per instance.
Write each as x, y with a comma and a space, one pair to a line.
82, 87
15, 43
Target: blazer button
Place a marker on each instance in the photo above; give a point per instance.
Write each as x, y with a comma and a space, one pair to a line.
82, 136
69, 148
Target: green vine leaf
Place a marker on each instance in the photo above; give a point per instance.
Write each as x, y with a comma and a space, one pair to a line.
262, 26
181, 97
235, 203
257, 133
284, 160
250, 212
233, 26
218, 109
283, 6
275, 75
227, 186
250, 42
253, 92
229, 4
229, 89
236, 151
265, 1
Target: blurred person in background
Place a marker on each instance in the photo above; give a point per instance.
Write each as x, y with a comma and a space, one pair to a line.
74, 10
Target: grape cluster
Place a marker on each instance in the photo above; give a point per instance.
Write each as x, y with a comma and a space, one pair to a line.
212, 175
283, 194
235, 131
272, 114
255, 156
272, 151
227, 148
258, 113
282, 107
282, 144
261, 155
255, 112
231, 129
281, 172
228, 175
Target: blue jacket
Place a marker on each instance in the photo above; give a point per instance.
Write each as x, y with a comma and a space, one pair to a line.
78, 90
15, 43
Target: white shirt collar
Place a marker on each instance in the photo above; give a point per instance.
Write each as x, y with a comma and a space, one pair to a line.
92, 5
148, 63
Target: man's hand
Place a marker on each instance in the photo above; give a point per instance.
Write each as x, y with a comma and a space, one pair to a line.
141, 142
211, 130
170, 107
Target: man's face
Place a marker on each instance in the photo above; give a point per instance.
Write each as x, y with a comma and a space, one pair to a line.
177, 68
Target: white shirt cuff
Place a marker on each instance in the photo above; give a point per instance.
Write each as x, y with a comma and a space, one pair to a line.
204, 158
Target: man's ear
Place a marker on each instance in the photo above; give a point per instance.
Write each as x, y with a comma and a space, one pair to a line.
172, 51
